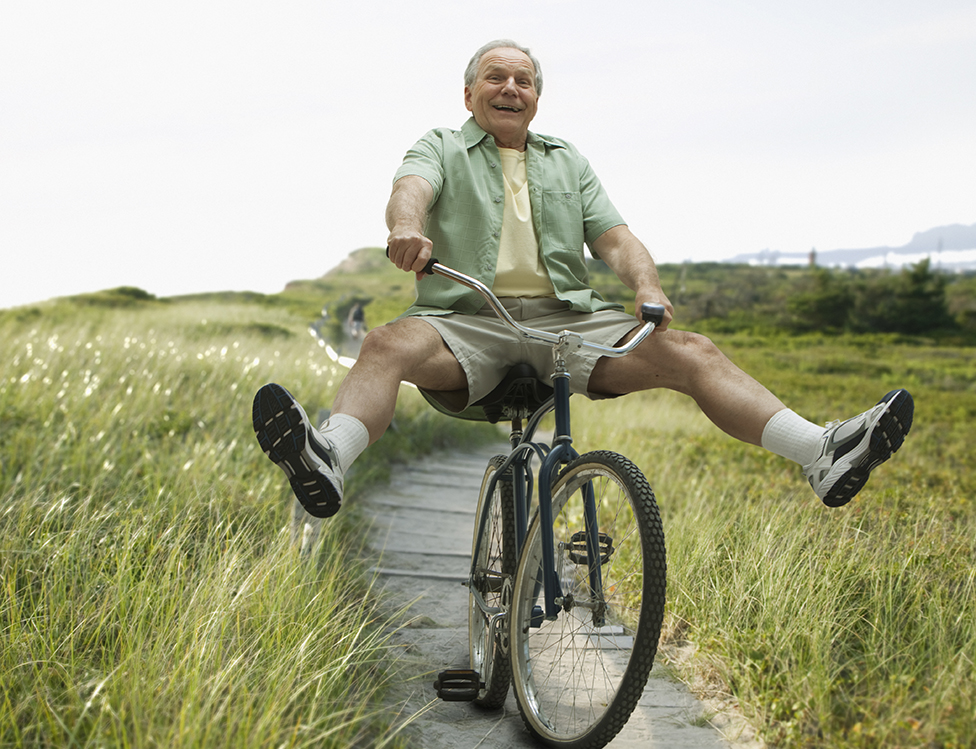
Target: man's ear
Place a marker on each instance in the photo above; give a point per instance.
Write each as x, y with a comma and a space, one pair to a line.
467, 99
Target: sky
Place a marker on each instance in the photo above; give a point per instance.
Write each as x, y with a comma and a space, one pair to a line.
183, 147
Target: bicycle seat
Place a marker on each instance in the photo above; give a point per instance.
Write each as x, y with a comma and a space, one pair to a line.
519, 394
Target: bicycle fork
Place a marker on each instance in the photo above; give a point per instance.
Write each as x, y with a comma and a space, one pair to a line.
516, 471
561, 454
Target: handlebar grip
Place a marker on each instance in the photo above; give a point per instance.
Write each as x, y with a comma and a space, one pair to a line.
428, 269
653, 313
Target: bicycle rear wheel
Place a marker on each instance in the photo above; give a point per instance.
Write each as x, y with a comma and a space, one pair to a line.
579, 678
494, 571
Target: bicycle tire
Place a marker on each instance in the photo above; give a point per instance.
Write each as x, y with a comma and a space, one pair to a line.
578, 683
494, 572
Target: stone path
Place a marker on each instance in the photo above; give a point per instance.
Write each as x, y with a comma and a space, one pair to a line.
421, 537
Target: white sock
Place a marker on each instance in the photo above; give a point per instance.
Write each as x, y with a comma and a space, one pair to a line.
347, 435
791, 436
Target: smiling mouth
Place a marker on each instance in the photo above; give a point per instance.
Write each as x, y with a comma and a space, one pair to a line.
504, 108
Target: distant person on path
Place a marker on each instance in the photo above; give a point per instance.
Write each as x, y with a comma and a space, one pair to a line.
357, 321
514, 208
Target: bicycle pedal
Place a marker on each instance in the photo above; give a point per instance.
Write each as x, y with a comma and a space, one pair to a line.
458, 685
577, 548
538, 616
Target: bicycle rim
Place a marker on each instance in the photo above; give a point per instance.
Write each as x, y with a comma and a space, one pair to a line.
578, 680
494, 571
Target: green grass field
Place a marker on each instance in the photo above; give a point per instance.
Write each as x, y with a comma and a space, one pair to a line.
832, 627
151, 595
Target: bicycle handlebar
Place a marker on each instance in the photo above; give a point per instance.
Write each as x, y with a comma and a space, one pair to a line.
652, 314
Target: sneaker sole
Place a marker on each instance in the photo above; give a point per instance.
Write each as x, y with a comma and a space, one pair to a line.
887, 437
281, 432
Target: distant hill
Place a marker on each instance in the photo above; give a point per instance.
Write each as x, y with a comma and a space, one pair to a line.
951, 248
362, 260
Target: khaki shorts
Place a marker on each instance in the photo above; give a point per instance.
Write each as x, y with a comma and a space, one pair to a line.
486, 348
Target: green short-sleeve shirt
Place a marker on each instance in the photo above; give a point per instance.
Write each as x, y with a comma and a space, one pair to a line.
569, 207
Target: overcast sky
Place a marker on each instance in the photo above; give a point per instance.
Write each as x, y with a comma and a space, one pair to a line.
204, 146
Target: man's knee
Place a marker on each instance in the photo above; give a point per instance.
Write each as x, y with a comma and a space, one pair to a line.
415, 351
667, 360
694, 348
380, 342
687, 357
400, 339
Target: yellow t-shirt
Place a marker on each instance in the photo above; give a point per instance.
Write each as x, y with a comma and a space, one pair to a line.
519, 271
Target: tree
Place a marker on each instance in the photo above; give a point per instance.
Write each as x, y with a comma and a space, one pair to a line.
914, 301
826, 306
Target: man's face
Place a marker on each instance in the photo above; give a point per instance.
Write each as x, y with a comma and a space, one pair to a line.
503, 98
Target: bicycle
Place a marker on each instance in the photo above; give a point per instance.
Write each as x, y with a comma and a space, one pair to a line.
566, 605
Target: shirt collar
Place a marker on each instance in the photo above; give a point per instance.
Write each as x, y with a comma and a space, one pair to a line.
473, 135
472, 132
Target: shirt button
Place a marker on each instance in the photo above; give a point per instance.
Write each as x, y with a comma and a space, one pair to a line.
569, 195
495, 234
498, 200
492, 164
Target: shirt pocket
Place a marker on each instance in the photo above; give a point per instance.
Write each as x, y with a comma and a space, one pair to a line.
562, 213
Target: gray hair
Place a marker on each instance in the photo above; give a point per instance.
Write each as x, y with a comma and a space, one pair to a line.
472, 70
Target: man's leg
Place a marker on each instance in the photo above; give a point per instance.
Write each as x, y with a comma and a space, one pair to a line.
836, 461
691, 364
315, 460
407, 350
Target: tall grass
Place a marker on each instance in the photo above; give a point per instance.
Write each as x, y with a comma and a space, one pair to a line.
832, 627
149, 592
151, 596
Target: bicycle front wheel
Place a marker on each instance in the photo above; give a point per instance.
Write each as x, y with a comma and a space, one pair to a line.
579, 678
494, 569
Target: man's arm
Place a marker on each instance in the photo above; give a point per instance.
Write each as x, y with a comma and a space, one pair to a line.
633, 265
406, 218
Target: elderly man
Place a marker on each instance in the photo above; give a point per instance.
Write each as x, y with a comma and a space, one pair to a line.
514, 208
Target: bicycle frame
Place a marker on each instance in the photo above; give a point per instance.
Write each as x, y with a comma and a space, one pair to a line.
517, 468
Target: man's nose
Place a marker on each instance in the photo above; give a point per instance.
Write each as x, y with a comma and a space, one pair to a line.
510, 86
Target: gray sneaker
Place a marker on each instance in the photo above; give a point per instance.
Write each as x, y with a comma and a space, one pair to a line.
851, 449
289, 440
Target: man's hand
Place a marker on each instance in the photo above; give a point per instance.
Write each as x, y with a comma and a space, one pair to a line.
406, 216
655, 296
409, 250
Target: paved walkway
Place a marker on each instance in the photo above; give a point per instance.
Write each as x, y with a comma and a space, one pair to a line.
422, 541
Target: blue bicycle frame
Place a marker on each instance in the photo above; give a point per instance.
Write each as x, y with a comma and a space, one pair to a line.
516, 468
